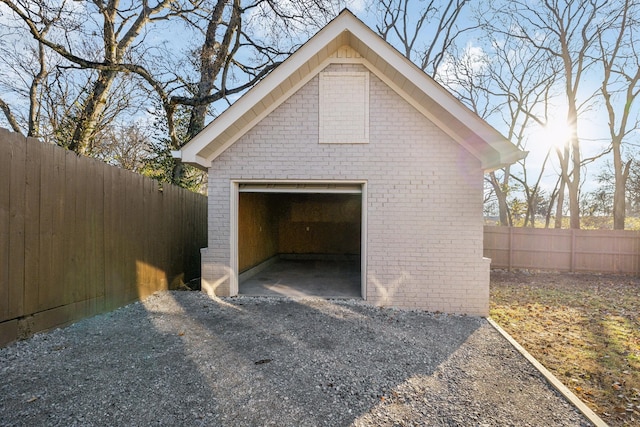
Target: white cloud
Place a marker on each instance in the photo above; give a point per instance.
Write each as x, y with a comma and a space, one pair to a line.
473, 60
356, 6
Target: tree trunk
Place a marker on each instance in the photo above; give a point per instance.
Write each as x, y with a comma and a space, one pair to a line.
619, 195
531, 208
559, 205
547, 219
91, 112
10, 117
177, 173
503, 209
34, 101
574, 204
212, 58
501, 195
573, 184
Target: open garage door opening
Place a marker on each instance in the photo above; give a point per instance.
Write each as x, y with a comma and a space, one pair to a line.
300, 240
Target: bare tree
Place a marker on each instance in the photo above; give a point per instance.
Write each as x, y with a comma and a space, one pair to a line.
127, 146
109, 39
229, 26
28, 66
633, 189
468, 75
502, 80
565, 31
422, 30
523, 90
119, 29
620, 61
11, 118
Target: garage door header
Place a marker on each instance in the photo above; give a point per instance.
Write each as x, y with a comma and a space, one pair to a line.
342, 188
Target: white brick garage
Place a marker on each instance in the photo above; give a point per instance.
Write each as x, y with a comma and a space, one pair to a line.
347, 108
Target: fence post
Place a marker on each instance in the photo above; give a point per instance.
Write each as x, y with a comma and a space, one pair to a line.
572, 267
510, 248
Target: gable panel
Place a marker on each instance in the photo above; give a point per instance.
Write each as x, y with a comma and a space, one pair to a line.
344, 108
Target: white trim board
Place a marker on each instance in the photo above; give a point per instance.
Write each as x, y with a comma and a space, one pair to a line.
314, 187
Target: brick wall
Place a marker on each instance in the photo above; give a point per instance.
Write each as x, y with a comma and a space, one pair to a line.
424, 204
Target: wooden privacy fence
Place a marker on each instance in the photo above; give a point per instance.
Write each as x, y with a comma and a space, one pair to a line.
603, 251
79, 237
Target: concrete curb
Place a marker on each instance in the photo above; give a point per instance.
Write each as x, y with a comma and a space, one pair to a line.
561, 388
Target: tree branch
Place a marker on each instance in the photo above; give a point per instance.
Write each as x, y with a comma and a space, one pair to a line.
10, 117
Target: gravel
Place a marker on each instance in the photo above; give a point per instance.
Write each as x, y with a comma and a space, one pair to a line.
180, 358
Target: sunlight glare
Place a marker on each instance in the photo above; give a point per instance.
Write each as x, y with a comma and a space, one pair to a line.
555, 134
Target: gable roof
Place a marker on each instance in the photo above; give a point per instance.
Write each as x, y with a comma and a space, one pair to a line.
336, 43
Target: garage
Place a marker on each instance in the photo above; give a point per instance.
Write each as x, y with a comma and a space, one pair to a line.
347, 119
300, 239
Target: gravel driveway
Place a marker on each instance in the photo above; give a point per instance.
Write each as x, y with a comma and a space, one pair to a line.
180, 358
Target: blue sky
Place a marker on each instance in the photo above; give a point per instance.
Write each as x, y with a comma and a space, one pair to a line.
592, 129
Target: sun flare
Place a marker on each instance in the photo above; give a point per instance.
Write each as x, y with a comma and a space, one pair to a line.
555, 133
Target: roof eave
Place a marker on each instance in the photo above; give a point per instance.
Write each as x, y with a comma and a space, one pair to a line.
502, 160
494, 151
187, 157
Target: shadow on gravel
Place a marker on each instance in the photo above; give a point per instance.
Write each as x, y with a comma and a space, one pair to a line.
180, 358
313, 362
112, 369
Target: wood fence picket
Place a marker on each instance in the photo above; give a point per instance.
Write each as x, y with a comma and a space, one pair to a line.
79, 237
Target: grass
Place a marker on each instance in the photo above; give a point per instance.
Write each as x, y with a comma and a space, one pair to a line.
584, 328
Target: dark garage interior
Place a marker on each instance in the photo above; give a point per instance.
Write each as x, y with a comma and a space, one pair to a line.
299, 244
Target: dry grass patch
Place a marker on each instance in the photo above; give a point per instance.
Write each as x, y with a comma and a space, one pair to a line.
585, 328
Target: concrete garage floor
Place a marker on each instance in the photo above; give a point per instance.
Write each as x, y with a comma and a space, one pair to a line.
305, 278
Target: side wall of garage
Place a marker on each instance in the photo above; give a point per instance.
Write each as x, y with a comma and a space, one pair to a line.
257, 230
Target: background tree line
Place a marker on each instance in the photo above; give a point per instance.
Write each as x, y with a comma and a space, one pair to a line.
128, 81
